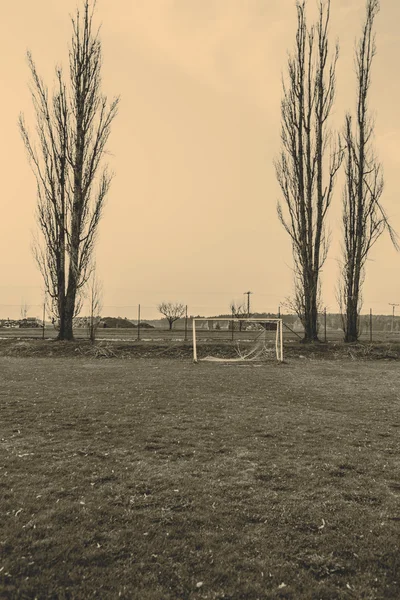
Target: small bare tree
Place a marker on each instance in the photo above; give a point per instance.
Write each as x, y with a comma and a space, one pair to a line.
238, 311
24, 309
73, 127
95, 293
364, 218
172, 311
295, 303
307, 154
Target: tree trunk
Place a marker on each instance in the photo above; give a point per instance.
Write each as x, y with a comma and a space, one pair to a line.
310, 308
70, 298
314, 318
311, 322
61, 312
351, 334
67, 332
92, 335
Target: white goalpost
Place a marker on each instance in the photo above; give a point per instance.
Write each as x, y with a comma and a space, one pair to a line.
260, 338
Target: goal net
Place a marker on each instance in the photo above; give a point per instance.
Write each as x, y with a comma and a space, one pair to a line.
237, 339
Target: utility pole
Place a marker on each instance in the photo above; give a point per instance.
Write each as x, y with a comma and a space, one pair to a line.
186, 322
393, 305
248, 303
370, 325
138, 323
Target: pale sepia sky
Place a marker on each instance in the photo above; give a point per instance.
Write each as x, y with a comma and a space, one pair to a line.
191, 215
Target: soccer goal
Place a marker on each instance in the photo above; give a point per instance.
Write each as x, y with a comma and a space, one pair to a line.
237, 339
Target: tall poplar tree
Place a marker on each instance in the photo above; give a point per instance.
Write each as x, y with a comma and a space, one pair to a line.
72, 129
309, 160
364, 219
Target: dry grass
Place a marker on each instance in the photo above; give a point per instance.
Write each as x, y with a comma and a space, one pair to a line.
160, 479
25, 347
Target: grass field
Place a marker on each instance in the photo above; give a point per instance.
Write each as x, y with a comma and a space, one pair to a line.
157, 479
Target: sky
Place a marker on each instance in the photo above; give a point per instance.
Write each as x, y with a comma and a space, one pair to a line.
191, 214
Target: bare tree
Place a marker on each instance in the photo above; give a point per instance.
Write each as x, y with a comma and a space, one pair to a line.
307, 154
364, 218
295, 303
239, 311
95, 293
172, 311
24, 309
73, 127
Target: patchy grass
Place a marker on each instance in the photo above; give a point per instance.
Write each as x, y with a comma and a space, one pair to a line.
161, 480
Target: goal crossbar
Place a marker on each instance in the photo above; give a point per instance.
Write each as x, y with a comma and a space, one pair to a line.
278, 337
